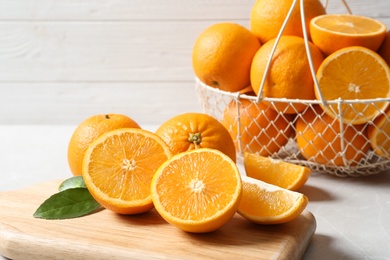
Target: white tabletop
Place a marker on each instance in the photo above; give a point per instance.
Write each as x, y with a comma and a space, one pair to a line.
352, 214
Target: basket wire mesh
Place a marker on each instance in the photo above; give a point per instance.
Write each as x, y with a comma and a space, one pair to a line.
366, 162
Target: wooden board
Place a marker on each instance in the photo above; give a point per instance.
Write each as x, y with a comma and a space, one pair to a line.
106, 235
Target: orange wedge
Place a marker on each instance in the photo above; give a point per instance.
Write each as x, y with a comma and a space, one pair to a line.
277, 172
379, 135
354, 73
118, 168
197, 191
332, 32
265, 203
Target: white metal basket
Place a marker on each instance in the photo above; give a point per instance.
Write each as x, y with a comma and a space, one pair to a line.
215, 101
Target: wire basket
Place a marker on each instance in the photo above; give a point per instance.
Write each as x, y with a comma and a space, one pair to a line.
276, 136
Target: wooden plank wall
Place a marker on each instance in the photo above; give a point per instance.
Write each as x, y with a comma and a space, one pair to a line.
62, 61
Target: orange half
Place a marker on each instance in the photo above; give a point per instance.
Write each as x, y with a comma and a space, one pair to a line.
332, 32
357, 74
118, 168
197, 191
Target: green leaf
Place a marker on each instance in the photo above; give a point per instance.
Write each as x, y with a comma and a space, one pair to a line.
73, 182
70, 203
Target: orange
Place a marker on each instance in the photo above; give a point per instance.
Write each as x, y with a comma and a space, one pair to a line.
354, 73
190, 131
379, 134
289, 75
255, 127
264, 203
267, 17
88, 130
277, 172
197, 191
118, 168
321, 139
222, 56
384, 50
332, 32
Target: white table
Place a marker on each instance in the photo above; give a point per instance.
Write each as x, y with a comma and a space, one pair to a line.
353, 214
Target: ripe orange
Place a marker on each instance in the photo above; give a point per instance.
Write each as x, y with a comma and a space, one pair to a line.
190, 131
277, 172
88, 130
256, 127
289, 75
379, 134
354, 73
222, 56
332, 32
384, 50
118, 168
321, 139
264, 203
197, 191
267, 17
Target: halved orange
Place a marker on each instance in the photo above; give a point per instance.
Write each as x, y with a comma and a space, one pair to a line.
332, 32
118, 168
277, 172
198, 190
264, 203
354, 73
379, 135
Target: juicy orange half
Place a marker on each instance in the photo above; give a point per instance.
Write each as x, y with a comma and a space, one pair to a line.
332, 32
277, 172
118, 168
354, 73
197, 191
265, 203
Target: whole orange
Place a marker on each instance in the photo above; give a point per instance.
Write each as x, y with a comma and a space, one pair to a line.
222, 56
88, 130
255, 127
384, 50
321, 139
190, 131
267, 17
289, 75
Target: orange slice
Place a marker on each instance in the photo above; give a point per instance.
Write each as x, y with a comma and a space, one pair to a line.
118, 168
197, 191
379, 135
264, 203
354, 73
277, 172
332, 32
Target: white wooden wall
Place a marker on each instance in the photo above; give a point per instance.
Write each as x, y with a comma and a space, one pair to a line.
61, 61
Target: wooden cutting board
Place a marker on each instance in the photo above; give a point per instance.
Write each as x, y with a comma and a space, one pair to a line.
106, 235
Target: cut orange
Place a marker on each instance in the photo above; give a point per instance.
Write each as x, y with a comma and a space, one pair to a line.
332, 32
118, 168
264, 203
379, 135
277, 172
197, 191
354, 73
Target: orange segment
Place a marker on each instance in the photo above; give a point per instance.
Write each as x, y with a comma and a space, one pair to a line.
264, 203
277, 172
379, 135
332, 32
118, 168
197, 191
354, 73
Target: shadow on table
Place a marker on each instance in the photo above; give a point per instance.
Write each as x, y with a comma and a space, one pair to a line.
320, 248
315, 193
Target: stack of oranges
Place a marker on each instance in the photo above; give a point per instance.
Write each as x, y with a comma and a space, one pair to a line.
325, 84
